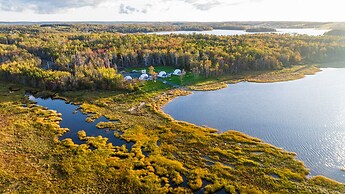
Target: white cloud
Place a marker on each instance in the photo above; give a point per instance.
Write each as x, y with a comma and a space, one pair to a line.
170, 10
128, 9
46, 6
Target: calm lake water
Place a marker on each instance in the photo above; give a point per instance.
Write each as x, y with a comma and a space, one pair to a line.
305, 116
74, 120
306, 31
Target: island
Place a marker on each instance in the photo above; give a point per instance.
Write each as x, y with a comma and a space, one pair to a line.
261, 29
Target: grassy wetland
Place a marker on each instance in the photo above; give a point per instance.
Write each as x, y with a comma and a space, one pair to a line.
167, 155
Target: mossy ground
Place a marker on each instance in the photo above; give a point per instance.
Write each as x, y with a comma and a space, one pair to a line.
167, 155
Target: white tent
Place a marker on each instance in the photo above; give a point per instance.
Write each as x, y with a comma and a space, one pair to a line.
128, 78
177, 72
144, 77
162, 74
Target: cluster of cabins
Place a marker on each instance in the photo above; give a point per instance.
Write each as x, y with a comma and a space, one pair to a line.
143, 75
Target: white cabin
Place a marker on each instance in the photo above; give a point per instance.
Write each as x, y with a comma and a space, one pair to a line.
144, 77
162, 74
128, 78
177, 72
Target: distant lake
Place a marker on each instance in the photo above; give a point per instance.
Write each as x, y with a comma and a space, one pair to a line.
305, 31
305, 116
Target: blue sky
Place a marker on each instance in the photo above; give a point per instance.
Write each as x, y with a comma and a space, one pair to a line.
171, 10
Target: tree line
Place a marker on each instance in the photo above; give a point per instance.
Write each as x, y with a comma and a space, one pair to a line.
84, 60
22, 67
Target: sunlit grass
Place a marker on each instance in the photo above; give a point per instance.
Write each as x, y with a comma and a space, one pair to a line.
166, 154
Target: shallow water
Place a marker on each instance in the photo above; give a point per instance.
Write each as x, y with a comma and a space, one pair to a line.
305, 116
74, 120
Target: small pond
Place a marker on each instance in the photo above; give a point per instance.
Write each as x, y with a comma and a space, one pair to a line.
75, 120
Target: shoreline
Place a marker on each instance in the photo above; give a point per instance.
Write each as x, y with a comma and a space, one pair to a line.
310, 70
172, 94
287, 74
178, 152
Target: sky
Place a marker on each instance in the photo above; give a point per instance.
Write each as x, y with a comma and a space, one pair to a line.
172, 10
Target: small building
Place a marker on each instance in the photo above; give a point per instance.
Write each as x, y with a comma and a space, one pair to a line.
128, 78
143, 71
162, 74
177, 72
144, 77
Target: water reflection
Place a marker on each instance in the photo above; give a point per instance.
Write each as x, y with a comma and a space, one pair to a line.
74, 120
305, 116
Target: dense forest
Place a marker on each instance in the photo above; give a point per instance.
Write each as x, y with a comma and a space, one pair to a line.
144, 27
163, 155
111, 28
75, 60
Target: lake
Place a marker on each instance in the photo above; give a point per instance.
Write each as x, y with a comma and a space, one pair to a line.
305, 116
305, 31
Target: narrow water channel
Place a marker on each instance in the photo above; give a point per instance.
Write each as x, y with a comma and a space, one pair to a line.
75, 120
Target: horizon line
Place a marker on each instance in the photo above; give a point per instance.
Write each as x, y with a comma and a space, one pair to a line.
170, 21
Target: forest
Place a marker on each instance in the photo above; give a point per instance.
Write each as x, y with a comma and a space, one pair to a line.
165, 156
144, 27
75, 60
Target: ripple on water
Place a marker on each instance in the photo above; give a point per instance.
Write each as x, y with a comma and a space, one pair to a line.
305, 116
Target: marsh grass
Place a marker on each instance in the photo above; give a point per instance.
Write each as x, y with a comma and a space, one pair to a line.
33, 160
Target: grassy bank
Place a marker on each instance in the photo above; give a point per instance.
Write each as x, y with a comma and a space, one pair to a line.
202, 83
167, 155
287, 74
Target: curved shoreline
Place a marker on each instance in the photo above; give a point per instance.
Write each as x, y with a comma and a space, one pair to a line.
184, 156
312, 71
219, 86
214, 148
287, 74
